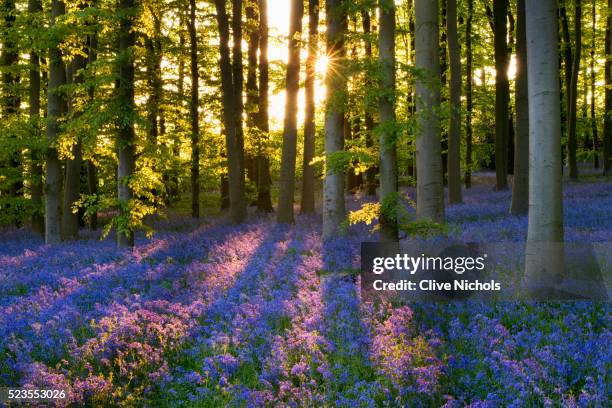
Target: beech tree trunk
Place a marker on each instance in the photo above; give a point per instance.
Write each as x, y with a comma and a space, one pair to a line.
55, 108
607, 136
593, 115
38, 222
308, 177
502, 94
469, 94
520, 185
287, 176
573, 93
194, 112
454, 131
92, 171
127, 137
388, 132
430, 192
252, 92
544, 255
333, 194
370, 176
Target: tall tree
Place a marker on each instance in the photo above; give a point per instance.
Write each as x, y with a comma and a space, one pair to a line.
333, 194
126, 141
469, 94
592, 85
308, 176
72, 180
430, 192
55, 108
386, 111
502, 93
194, 112
520, 185
370, 176
573, 92
231, 81
454, 131
38, 222
92, 170
252, 91
287, 176
607, 136
264, 180
544, 258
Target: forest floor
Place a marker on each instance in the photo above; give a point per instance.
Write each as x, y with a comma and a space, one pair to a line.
217, 315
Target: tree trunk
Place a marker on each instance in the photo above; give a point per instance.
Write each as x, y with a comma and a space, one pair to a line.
607, 136
573, 93
544, 254
370, 175
444, 82
502, 94
333, 194
593, 115
308, 177
194, 112
264, 180
430, 192
127, 138
252, 92
287, 176
92, 172
454, 131
72, 181
231, 115
469, 95
55, 108
387, 132
520, 186
38, 222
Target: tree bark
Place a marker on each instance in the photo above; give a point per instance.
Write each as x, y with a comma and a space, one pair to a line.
502, 94
55, 108
469, 95
454, 131
127, 138
607, 136
72, 180
252, 92
264, 180
194, 112
308, 177
430, 192
230, 81
544, 254
573, 93
38, 221
92, 172
287, 176
370, 176
333, 194
520, 185
593, 99
386, 112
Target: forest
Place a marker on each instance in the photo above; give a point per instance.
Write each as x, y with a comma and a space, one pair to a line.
186, 185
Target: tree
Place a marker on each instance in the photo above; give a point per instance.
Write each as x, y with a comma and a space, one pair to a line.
454, 132
430, 192
387, 127
55, 108
544, 256
592, 77
607, 136
287, 179
520, 185
308, 177
502, 93
333, 191
231, 84
194, 112
469, 95
38, 222
573, 92
264, 180
370, 176
127, 137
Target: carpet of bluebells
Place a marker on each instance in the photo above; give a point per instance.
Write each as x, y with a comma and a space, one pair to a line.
220, 315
